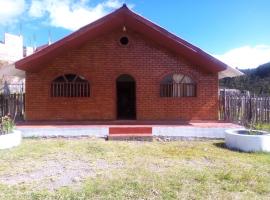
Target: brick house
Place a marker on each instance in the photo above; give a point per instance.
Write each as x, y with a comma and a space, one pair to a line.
121, 66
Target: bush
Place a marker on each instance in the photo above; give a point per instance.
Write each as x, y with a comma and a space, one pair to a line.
263, 126
7, 125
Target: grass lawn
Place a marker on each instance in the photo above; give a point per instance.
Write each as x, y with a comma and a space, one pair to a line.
263, 126
98, 169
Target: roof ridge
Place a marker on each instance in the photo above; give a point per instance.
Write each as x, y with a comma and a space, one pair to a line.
119, 17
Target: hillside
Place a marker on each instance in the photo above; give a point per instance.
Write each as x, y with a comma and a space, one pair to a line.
257, 81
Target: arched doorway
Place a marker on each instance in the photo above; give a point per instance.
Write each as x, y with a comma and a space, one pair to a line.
126, 97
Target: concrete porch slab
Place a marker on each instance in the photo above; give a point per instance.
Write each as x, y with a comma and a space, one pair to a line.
201, 129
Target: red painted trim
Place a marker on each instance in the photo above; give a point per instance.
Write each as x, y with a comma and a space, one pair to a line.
130, 130
130, 135
118, 18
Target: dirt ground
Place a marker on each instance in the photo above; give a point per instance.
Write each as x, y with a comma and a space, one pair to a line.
61, 170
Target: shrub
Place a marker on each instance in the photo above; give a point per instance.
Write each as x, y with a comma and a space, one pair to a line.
263, 126
7, 125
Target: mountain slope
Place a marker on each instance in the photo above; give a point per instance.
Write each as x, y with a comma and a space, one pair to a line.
257, 81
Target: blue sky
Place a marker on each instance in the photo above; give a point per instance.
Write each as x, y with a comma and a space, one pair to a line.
235, 31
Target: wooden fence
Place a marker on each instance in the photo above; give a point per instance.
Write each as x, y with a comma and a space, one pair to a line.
13, 105
244, 109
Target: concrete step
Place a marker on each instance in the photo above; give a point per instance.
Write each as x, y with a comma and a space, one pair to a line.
130, 133
130, 130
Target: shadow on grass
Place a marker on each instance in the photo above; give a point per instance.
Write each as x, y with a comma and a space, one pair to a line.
221, 145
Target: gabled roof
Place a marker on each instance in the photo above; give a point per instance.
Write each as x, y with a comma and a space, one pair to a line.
119, 18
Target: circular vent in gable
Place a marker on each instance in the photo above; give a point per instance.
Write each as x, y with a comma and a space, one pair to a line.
124, 40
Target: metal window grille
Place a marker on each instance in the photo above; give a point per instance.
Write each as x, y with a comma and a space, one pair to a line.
182, 87
70, 85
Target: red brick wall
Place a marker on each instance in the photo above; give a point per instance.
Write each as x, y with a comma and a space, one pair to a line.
101, 61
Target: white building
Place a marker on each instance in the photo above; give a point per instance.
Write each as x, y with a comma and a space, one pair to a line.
11, 50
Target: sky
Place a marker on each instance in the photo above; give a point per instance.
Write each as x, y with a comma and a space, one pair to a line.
235, 31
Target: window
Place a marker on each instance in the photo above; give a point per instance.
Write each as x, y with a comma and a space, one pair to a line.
70, 85
177, 85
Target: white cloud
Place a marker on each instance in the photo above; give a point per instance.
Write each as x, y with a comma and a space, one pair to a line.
246, 56
10, 10
71, 14
36, 9
112, 4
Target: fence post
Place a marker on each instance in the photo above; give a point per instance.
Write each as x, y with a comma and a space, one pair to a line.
244, 109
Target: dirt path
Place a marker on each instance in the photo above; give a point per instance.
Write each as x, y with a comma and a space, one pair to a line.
56, 172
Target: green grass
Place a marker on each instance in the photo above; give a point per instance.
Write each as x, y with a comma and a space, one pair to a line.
263, 126
140, 170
